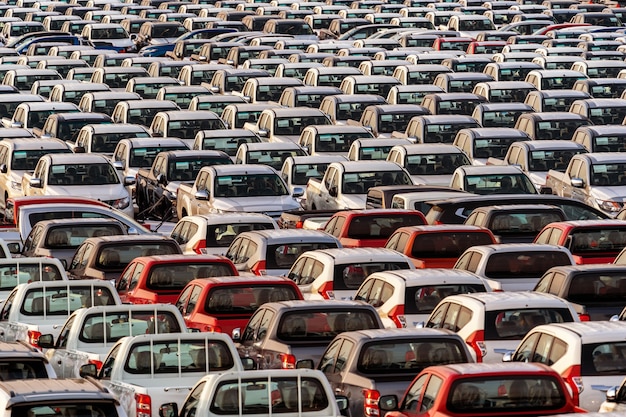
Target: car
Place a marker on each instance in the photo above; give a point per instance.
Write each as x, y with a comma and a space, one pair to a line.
273, 252
213, 233
366, 364
223, 304
586, 355
596, 291
437, 246
494, 322
471, 389
328, 274
492, 179
281, 333
60, 238
405, 298
589, 241
430, 163
513, 266
106, 257
515, 223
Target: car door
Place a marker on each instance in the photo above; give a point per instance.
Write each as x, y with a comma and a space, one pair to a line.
254, 337
61, 358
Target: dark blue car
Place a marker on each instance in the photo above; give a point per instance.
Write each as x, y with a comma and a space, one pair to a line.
161, 50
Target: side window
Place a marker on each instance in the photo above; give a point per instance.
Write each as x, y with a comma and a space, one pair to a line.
430, 394
363, 293
327, 364
6, 308
437, 316
449, 322
295, 273
62, 340
526, 349
134, 279
414, 394
344, 353
231, 253
250, 331
264, 325
125, 278
191, 404
193, 299
327, 179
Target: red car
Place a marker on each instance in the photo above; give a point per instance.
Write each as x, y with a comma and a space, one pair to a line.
479, 389
370, 228
438, 246
485, 47
589, 241
161, 278
452, 44
226, 303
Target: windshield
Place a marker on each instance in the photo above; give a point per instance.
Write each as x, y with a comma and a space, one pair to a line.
27, 160
187, 129
245, 299
109, 33
82, 174
513, 74
435, 164
447, 244
607, 115
227, 145
524, 265
337, 142
167, 31
608, 174
36, 119
423, 300
274, 159
144, 157
295, 125
559, 83
444, 133
71, 237
360, 182
249, 185
23, 273
499, 184
320, 325
110, 327
187, 169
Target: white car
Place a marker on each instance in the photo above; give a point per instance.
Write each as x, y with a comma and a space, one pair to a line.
338, 273
589, 356
406, 298
515, 266
213, 233
494, 323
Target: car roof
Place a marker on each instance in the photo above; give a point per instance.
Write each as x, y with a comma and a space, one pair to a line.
361, 166
360, 254
604, 157
588, 332
551, 144
508, 300
495, 132
517, 248
491, 170
33, 390
430, 148
368, 335
430, 276
75, 158
242, 169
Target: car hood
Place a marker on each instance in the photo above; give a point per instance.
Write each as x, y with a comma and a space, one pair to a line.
431, 179
256, 204
98, 192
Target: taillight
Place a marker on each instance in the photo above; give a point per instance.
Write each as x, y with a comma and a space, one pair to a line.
299, 224
575, 382
144, 405
96, 362
212, 329
287, 361
437, 222
197, 248
584, 317
370, 405
397, 316
33, 337
477, 341
259, 268
326, 290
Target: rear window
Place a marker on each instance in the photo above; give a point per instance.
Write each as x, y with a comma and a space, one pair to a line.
228, 145
524, 265
591, 241
602, 287
351, 276
522, 223
447, 244
323, 326
22, 368
109, 327
283, 256
408, 357
506, 394
423, 300
603, 359
71, 237
283, 394
172, 356
61, 301
114, 258
222, 235
174, 276
246, 299
13, 274
514, 324
381, 226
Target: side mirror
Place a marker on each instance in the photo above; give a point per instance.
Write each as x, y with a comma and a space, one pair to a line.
333, 191
215, 90
35, 183
388, 403
129, 180
16, 124
161, 179
236, 335
14, 247
577, 182
119, 165
202, 195
614, 317
305, 364
79, 149
88, 370
298, 192
46, 341
508, 356
3, 168
306, 149
168, 410
263, 133
342, 402
248, 364
133, 37
246, 98
611, 394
